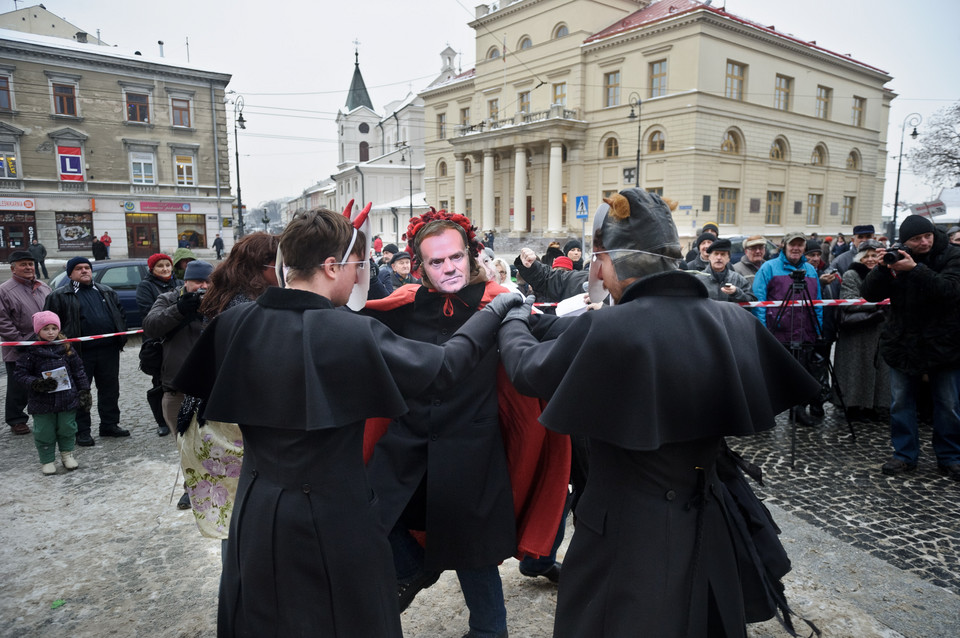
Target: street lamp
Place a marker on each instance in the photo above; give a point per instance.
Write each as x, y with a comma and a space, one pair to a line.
913, 120
238, 122
265, 220
635, 103
403, 158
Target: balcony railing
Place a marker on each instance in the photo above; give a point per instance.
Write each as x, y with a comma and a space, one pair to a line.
11, 184
73, 187
556, 111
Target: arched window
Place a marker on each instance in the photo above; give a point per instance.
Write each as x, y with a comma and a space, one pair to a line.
853, 161
819, 155
442, 169
611, 148
364, 152
731, 142
560, 30
467, 166
493, 53
778, 150
525, 43
657, 142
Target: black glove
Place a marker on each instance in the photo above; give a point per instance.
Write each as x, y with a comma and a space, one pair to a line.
44, 385
189, 303
85, 399
502, 303
521, 312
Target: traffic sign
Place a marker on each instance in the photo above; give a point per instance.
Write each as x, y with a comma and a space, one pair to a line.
930, 209
583, 206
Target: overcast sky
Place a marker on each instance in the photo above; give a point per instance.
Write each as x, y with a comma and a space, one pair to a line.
293, 61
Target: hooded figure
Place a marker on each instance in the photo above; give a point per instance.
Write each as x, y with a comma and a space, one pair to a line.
655, 545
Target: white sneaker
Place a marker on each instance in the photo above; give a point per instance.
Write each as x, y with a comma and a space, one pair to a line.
68, 461
48, 469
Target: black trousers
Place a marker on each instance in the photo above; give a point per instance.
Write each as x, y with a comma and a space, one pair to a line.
16, 401
102, 365
40, 265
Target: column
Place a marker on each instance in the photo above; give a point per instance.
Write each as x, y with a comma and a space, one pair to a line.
555, 188
459, 185
487, 191
520, 189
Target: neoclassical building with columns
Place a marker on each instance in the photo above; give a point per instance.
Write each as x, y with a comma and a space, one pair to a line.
739, 123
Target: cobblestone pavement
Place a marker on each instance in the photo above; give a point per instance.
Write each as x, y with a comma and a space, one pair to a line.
873, 557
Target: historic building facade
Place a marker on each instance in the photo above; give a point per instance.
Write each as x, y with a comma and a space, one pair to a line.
737, 122
94, 140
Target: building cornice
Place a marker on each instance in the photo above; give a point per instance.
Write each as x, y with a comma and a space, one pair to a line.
502, 12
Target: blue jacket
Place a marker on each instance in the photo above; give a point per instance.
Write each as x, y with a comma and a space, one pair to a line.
773, 282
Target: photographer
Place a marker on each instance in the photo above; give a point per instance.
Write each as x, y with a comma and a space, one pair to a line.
175, 317
921, 337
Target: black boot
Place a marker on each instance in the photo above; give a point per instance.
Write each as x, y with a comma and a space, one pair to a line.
799, 414
816, 410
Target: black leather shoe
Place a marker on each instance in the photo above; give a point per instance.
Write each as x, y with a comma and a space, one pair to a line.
407, 592
162, 430
184, 502
552, 574
897, 466
816, 410
114, 430
84, 439
800, 416
951, 471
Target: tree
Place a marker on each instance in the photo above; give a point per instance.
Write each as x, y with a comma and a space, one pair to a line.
938, 157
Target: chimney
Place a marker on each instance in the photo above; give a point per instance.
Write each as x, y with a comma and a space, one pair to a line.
160, 42
81, 37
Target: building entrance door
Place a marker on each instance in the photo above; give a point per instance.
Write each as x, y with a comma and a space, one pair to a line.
142, 235
15, 233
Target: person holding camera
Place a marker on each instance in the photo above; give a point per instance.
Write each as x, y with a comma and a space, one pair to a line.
921, 277
175, 318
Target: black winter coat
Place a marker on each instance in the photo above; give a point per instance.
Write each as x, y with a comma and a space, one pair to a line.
551, 285
35, 360
152, 287
922, 331
64, 302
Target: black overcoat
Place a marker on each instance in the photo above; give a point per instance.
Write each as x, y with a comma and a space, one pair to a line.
308, 553
652, 554
449, 442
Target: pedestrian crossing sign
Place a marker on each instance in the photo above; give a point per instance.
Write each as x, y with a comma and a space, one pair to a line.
582, 206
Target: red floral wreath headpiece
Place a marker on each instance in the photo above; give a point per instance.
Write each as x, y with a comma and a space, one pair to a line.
416, 223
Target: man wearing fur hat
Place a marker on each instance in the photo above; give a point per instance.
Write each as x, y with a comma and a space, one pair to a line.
861, 234
20, 297
89, 308
921, 337
653, 552
722, 282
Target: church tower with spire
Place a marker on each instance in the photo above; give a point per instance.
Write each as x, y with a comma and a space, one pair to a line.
357, 136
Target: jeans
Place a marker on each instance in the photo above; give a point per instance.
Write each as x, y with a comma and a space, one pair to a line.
481, 587
15, 403
102, 365
945, 387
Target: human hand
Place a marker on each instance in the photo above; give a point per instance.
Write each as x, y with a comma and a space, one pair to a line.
903, 264
527, 257
503, 302
728, 289
521, 312
189, 304
44, 385
85, 399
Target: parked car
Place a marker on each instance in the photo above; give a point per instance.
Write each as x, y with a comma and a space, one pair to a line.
736, 248
123, 275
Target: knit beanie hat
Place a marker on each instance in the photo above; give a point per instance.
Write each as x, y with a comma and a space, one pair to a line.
914, 225
563, 262
570, 245
45, 318
154, 258
197, 270
704, 236
76, 261
813, 246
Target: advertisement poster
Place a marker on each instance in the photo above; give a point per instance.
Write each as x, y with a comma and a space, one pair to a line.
74, 231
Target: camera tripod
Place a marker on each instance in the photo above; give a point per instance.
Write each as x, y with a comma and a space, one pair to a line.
803, 351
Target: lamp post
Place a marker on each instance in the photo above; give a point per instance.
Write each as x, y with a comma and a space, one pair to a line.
238, 122
265, 220
407, 150
913, 120
635, 102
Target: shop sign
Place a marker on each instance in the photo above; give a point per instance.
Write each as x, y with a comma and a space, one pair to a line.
160, 207
18, 203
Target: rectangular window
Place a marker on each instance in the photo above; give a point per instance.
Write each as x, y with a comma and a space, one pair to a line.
138, 107
444, 205
611, 88
8, 161
781, 93
814, 202
496, 211
6, 103
656, 191
658, 78
185, 170
493, 109
609, 194
733, 88
848, 205
859, 108
823, 102
442, 126
468, 205
142, 168
181, 112
727, 206
65, 99
560, 93
523, 99
774, 208
465, 117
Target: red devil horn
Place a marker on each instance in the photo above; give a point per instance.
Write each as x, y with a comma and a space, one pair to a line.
348, 209
362, 217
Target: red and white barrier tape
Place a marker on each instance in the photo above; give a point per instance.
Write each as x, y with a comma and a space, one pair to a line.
814, 302
90, 338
